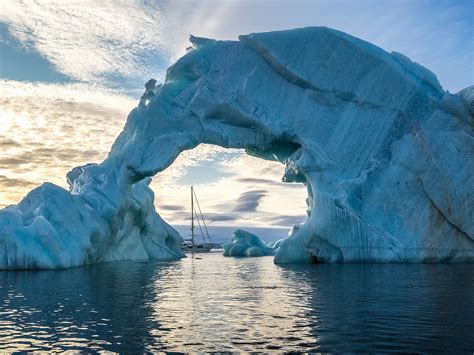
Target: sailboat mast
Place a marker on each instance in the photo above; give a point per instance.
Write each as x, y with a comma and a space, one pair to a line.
192, 215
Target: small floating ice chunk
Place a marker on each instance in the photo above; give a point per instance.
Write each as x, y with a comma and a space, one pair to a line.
247, 244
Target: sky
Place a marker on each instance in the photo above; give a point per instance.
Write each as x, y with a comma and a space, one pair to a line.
70, 71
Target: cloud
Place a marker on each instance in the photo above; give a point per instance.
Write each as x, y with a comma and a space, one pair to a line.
8, 143
5, 162
67, 96
171, 208
7, 182
114, 43
266, 182
221, 217
257, 181
249, 201
288, 220
89, 40
209, 217
125, 43
45, 130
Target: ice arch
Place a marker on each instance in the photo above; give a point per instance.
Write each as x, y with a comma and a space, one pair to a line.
386, 154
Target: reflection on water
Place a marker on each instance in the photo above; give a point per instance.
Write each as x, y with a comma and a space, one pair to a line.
216, 303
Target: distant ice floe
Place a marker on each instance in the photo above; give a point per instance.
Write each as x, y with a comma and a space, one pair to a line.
386, 154
247, 244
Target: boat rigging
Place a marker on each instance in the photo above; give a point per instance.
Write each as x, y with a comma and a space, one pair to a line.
190, 245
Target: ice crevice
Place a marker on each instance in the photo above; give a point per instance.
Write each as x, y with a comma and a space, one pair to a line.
386, 154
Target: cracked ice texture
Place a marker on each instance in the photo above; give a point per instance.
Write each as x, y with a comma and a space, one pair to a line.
386, 154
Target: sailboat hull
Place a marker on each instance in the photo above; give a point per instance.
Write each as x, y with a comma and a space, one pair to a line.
197, 248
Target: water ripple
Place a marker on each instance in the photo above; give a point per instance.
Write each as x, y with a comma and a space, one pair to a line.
225, 304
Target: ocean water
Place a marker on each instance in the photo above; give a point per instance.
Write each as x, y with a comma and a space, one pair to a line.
213, 303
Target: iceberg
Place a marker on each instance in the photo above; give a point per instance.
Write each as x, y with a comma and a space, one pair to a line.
247, 244
96, 221
386, 154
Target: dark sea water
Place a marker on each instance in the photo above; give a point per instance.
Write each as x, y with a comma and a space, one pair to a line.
213, 303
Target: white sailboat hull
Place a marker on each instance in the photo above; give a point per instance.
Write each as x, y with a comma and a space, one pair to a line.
197, 248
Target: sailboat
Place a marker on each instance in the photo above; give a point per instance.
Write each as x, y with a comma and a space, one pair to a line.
190, 245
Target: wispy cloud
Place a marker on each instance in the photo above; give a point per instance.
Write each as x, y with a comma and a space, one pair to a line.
14, 183
265, 182
171, 208
47, 129
94, 40
125, 43
287, 220
249, 201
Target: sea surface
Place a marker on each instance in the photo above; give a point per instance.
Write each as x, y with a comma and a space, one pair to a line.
212, 303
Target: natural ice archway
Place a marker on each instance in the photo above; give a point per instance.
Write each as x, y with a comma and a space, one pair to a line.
386, 154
